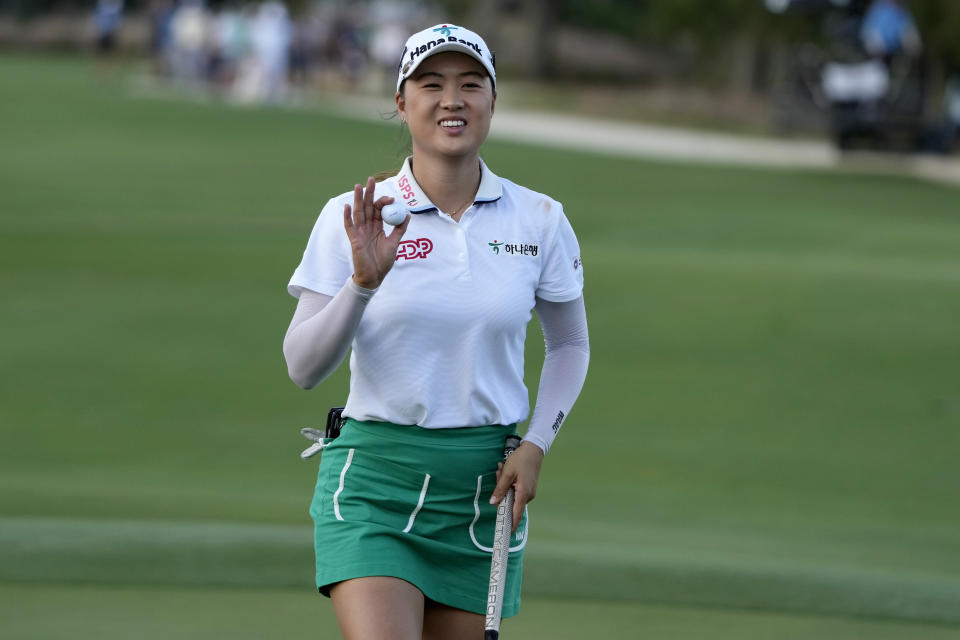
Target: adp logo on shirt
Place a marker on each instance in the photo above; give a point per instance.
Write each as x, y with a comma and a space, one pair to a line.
414, 249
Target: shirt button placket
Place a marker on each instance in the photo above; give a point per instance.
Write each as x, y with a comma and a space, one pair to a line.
462, 255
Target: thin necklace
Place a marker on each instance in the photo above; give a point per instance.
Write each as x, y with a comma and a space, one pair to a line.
463, 206
469, 201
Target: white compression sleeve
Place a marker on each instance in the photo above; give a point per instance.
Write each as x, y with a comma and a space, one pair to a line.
565, 363
321, 332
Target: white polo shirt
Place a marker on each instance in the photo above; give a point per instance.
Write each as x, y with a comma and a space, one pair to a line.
440, 345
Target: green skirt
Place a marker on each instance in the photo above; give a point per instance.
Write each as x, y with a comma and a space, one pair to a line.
413, 503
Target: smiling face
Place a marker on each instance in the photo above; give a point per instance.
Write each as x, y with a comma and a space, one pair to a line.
447, 103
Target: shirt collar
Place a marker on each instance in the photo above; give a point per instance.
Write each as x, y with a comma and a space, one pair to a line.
417, 201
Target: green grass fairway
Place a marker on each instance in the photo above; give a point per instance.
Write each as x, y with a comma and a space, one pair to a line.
56, 612
766, 446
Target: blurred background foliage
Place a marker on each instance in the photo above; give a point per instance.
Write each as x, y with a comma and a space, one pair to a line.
733, 65
705, 24
746, 56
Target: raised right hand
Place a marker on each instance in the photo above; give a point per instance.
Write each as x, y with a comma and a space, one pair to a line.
373, 252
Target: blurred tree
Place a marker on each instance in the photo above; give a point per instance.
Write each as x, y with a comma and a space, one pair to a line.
939, 24
545, 17
665, 20
740, 34
33, 8
743, 30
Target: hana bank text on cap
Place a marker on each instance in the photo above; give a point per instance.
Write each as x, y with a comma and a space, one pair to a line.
444, 37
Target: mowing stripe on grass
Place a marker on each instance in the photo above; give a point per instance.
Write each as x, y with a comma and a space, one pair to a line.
110, 551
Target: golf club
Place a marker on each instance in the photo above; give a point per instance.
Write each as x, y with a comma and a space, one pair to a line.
501, 554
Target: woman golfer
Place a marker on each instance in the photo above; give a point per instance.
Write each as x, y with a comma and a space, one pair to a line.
436, 310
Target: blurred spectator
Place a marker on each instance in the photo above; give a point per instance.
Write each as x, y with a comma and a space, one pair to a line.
952, 99
270, 35
390, 31
160, 13
231, 44
191, 33
300, 46
944, 135
313, 33
252, 51
106, 19
888, 30
349, 46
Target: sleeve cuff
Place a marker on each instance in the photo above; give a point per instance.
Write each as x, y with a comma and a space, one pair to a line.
361, 292
533, 438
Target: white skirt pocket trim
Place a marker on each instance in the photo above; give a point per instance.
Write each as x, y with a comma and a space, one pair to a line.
336, 494
416, 510
524, 535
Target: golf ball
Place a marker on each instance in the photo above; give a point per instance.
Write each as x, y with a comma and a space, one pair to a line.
393, 214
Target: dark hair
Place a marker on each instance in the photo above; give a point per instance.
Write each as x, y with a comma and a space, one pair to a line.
404, 142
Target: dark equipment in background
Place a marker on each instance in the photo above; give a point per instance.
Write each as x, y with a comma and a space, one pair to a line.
866, 75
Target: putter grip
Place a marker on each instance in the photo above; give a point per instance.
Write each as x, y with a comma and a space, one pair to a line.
500, 555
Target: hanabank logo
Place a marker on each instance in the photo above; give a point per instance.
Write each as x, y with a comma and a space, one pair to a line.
429, 44
515, 248
414, 249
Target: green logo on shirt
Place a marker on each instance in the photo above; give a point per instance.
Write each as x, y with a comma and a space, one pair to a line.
515, 248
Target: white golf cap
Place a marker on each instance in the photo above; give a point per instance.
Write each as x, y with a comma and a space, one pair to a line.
444, 37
